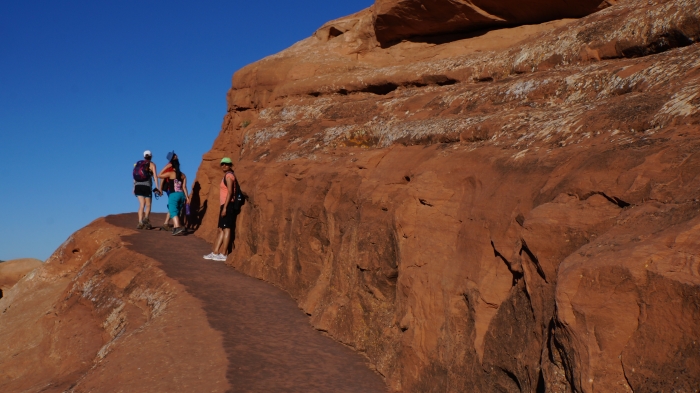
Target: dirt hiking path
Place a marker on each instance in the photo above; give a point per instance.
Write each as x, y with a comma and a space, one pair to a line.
270, 345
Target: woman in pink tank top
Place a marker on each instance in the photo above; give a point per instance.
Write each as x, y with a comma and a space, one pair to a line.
227, 212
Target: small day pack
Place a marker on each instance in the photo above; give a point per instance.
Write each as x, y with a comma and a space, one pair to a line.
142, 170
238, 197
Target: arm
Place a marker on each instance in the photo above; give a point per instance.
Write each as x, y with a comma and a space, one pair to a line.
153, 169
162, 175
168, 165
184, 187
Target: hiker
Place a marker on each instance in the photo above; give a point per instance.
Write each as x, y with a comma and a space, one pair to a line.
178, 195
144, 172
228, 194
167, 186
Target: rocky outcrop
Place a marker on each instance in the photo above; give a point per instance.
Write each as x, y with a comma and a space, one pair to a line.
13, 270
414, 19
99, 317
513, 211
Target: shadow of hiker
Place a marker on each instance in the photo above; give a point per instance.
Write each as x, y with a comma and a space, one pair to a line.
197, 209
235, 224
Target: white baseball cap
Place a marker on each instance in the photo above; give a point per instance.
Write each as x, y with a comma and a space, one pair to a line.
147, 153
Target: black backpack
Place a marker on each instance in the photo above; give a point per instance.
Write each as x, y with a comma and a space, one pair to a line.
168, 186
238, 196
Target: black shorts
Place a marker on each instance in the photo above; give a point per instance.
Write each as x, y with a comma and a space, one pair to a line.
229, 220
142, 190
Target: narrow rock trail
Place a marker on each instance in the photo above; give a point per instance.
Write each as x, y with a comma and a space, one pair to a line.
270, 345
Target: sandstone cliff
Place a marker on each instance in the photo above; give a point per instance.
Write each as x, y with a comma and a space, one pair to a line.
495, 210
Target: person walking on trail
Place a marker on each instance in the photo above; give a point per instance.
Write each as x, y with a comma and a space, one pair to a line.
227, 211
144, 172
167, 186
178, 195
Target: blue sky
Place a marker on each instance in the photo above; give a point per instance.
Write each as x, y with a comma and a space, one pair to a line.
87, 86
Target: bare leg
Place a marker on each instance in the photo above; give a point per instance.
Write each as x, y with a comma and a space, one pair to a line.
226, 239
148, 208
176, 222
167, 218
142, 201
219, 240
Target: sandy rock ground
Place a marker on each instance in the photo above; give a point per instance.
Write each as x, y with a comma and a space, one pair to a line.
514, 210
120, 310
98, 317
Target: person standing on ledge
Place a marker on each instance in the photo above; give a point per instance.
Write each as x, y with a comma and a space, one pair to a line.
144, 172
178, 195
227, 212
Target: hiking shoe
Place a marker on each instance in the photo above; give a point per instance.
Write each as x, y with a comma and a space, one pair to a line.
146, 223
210, 256
220, 258
166, 228
140, 226
179, 231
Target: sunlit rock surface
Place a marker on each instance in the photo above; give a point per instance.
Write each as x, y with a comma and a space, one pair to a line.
97, 317
514, 210
13, 271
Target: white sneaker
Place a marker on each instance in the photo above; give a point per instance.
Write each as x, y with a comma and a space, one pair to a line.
211, 256
220, 258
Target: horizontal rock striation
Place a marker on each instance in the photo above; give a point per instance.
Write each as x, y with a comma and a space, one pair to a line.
512, 211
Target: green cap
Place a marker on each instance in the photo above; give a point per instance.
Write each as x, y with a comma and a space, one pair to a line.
226, 160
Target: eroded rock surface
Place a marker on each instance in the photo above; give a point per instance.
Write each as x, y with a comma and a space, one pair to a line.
97, 317
401, 19
118, 310
514, 211
13, 271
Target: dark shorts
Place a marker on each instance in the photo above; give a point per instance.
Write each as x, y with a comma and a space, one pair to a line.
229, 220
144, 191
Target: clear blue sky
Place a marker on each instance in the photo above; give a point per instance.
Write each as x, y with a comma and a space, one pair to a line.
87, 86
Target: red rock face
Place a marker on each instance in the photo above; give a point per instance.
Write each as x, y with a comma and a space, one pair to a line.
515, 211
406, 19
